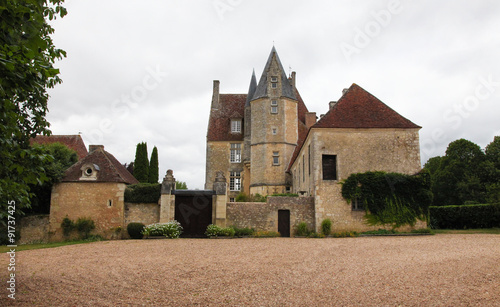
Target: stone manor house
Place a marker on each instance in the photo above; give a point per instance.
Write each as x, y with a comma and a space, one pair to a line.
265, 142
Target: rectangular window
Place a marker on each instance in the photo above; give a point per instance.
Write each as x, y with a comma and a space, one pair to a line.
303, 169
274, 106
231, 199
357, 205
329, 164
274, 131
234, 181
274, 85
274, 79
309, 159
235, 156
236, 126
276, 158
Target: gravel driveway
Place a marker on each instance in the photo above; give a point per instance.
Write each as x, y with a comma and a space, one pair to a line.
440, 270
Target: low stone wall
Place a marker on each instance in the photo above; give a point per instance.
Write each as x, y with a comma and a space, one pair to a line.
146, 213
264, 216
34, 229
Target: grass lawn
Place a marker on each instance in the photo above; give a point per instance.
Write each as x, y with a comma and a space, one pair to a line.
4, 248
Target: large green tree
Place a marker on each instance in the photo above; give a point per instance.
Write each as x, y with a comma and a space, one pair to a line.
64, 157
154, 171
465, 174
27, 57
141, 163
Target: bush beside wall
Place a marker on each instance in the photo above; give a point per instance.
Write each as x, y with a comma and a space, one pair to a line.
464, 217
143, 193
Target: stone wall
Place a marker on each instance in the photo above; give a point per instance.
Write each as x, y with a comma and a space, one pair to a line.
264, 216
357, 151
34, 229
142, 213
100, 201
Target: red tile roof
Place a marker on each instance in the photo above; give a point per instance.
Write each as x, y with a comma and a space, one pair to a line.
110, 169
74, 142
359, 109
219, 125
356, 109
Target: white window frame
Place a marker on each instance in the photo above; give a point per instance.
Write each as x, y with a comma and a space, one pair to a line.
276, 158
235, 125
235, 153
234, 181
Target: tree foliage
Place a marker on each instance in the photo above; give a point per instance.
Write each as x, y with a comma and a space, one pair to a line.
180, 185
390, 198
154, 171
63, 158
27, 57
465, 174
141, 163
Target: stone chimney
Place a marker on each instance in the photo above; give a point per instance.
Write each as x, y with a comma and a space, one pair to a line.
215, 95
310, 119
95, 147
293, 79
332, 104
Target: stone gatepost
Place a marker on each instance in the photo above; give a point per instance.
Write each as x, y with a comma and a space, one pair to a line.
167, 200
220, 199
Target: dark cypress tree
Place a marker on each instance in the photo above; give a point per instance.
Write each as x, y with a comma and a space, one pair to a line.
141, 163
153, 166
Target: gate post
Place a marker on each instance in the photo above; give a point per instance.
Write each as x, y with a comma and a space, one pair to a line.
220, 199
167, 200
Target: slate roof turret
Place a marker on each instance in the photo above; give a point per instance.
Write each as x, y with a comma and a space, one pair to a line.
286, 87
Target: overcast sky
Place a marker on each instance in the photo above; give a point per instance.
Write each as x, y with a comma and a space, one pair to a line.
143, 70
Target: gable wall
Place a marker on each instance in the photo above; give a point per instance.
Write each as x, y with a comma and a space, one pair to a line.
87, 200
357, 150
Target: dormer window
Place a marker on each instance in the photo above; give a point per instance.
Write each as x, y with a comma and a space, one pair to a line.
236, 126
274, 82
89, 171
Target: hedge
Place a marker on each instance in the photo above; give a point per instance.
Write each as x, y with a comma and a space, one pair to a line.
143, 193
464, 217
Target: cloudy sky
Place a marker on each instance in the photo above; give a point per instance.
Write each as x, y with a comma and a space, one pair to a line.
143, 70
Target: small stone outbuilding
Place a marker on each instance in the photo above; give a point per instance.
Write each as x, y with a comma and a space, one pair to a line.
92, 188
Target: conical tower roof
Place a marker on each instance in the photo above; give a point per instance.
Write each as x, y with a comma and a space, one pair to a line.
251, 88
262, 87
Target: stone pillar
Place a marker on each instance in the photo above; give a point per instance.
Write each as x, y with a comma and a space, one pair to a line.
220, 199
167, 200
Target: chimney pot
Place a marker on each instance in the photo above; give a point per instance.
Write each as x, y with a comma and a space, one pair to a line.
332, 104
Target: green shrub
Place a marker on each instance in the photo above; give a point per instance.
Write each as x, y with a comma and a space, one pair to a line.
380, 232
216, 231
84, 226
242, 197
242, 232
464, 217
266, 234
314, 234
171, 230
344, 234
302, 230
326, 227
143, 193
423, 230
67, 226
135, 230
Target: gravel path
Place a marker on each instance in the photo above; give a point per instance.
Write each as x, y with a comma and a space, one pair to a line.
440, 270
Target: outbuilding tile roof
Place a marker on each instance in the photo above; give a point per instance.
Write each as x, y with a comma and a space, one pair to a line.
359, 109
74, 142
110, 169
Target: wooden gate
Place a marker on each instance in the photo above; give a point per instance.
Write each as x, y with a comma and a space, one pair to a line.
193, 209
284, 222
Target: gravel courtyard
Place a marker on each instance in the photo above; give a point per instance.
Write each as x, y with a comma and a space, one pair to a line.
440, 270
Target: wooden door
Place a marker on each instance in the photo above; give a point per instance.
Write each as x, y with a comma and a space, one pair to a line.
284, 222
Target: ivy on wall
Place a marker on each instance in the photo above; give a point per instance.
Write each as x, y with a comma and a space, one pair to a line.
390, 198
